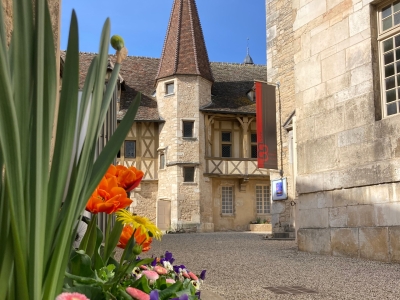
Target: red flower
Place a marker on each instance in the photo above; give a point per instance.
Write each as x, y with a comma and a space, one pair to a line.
108, 197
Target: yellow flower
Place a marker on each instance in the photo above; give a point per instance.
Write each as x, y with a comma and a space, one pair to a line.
142, 223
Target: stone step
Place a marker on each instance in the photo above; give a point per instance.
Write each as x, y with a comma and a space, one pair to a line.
281, 235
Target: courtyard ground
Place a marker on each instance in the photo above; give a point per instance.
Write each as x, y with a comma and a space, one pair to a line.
245, 266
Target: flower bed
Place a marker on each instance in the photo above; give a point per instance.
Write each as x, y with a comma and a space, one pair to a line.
260, 227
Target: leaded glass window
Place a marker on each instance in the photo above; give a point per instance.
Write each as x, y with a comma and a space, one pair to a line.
188, 129
226, 144
227, 200
130, 149
389, 42
188, 174
263, 199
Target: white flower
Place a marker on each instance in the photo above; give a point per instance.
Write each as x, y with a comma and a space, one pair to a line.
196, 284
168, 265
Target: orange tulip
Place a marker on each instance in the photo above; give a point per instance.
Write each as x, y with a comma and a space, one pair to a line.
108, 197
128, 178
140, 238
112, 171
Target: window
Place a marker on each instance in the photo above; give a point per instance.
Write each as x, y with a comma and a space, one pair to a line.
188, 174
227, 200
253, 145
162, 161
188, 129
130, 149
263, 199
389, 47
251, 95
169, 88
226, 144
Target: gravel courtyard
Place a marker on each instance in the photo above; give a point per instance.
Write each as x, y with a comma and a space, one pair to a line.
240, 265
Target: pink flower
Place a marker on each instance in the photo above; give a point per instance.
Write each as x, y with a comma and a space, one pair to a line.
170, 280
193, 276
71, 296
137, 294
143, 267
186, 275
160, 270
151, 275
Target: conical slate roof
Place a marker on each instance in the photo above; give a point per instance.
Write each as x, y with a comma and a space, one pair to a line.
184, 51
248, 60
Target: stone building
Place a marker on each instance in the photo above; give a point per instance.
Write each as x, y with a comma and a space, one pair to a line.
337, 62
194, 135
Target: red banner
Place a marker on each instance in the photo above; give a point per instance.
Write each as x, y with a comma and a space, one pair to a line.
266, 126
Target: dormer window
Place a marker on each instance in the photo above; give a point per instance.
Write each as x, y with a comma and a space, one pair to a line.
169, 88
251, 95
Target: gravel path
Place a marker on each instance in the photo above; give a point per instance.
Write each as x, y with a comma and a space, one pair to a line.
241, 264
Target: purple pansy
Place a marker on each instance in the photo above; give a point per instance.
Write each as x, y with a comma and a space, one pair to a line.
168, 256
154, 295
203, 275
154, 262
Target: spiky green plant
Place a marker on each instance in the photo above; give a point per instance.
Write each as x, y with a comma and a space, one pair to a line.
35, 234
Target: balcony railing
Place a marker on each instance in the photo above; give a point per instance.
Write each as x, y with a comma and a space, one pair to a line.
234, 167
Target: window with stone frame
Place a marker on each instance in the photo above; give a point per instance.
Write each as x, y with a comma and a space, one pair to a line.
253, 145
130, 149
188, 127
226, 144
169, 88
263, 199
188, 174
162, 161
227, 200
389, 56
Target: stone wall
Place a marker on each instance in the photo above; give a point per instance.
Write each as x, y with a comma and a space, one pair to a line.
245, 209
348, 159
54, 7
183, 105
281, 47
145, 200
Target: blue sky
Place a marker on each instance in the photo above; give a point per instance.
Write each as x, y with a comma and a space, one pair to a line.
227, 24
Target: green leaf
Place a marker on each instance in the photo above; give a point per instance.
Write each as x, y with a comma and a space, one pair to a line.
170, 291
142, 284
124, 295
186, 291
88, 243
80, 264
144, 261
161, 283
97, 259
81, 279
113, 239
6, 268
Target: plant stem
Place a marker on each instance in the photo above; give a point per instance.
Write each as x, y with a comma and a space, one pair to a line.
107, 233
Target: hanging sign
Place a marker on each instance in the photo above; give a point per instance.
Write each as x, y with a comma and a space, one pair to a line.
266, 126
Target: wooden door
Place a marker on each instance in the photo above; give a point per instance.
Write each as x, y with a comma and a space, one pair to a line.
164, 214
